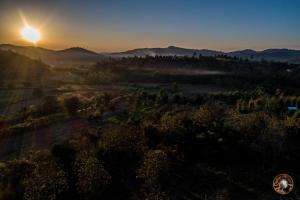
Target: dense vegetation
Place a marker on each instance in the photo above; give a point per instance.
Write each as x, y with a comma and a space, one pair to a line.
241, 73
160, 142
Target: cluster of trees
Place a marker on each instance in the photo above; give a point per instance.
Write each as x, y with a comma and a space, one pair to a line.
241, 73
276, 103
50, 109
164, 144
153, 150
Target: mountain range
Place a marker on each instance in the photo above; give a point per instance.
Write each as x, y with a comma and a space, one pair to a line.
282, 55
80, 56
71, 56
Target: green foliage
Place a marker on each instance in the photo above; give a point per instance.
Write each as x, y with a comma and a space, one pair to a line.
72, 104
103, 102
247, 126
28, 125
155, 146
12, 175
121, 148
49, 105
277, 103
173, 122
294, 120
47, 181
93, 179
151, 173
206, 117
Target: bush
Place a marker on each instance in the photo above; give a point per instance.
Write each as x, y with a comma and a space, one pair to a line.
103, 102
177, 129
152, 173
12, 176
49, 105
93, 179
247, 126
174, 122
121, 148
206, 117
72, 104
65, 154
47, 181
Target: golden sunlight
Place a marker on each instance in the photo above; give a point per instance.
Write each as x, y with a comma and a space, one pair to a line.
31, 34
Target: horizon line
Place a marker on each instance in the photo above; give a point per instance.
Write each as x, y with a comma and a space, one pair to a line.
167, 46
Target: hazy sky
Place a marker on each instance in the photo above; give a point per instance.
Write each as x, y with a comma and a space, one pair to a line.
115, 25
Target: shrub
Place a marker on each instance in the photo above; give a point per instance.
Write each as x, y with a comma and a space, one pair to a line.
47, 181
174, 122
103, 102
271, 142
93, 179
294, 120
12, 176
121, 148
72, 104
247, 126
177, 128
65, 154
152, 173
49, 105
205, 117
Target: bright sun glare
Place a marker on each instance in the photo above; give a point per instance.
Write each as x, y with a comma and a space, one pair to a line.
31, 34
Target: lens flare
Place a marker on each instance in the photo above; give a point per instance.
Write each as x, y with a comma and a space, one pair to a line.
31, 34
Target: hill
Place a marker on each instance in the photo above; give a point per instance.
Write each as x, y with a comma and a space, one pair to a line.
169, 51
80, 56
282, 55
71, 56
19, 67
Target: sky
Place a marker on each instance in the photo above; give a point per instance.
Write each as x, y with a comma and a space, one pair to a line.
118, 25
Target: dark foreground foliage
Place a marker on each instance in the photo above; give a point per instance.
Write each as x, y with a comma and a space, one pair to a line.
165, 145
156, 143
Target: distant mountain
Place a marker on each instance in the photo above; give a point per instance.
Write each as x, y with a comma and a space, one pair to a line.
80, 56
247, 53
78, 50
14, 66
71, 56
283, 55
169, 51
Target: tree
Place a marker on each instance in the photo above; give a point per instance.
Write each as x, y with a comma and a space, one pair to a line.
152, 173
49, 105
12, 176
47, 181
72, 104
93, 179
121, 148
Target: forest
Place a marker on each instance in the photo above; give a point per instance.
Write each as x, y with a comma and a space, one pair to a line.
142, 128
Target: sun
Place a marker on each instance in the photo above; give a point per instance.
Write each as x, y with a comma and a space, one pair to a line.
31, 34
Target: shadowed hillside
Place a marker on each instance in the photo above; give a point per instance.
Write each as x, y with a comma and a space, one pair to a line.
18, 67
72, 56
